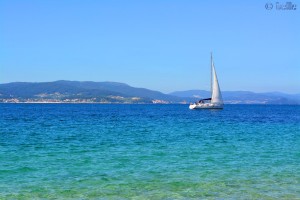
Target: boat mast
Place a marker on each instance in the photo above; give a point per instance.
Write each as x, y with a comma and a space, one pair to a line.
211, 71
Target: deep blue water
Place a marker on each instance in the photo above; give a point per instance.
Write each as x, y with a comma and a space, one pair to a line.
93, 151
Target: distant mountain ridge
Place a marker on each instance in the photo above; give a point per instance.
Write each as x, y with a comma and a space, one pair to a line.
82, 91
114, 92
244, 97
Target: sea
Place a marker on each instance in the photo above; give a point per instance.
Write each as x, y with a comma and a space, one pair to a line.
115, 151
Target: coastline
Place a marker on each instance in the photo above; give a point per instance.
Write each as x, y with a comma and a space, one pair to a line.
140, 103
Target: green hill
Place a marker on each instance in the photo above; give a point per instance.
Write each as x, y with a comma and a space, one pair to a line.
86, 91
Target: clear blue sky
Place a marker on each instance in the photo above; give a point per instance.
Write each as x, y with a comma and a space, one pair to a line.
160, 45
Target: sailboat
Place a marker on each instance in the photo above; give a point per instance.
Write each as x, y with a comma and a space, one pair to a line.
216, 101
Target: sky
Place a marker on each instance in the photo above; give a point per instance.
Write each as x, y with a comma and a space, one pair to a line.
162, 45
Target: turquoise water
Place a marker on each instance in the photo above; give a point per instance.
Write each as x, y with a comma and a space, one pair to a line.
90, 151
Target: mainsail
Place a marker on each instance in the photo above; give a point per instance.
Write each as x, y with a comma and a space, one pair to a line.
216, 96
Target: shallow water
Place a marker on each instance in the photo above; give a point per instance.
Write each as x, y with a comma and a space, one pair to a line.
92, 151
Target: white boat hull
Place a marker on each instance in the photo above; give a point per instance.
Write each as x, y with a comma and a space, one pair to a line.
206, 106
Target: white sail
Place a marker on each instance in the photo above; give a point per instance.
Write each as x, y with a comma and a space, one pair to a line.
216, 101
216, 96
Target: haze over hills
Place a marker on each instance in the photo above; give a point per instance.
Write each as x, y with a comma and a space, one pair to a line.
114, 92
